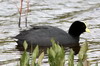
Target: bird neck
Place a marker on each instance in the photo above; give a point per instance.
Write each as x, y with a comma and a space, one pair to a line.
74, 33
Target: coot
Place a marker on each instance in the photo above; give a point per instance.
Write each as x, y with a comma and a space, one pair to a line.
42, 35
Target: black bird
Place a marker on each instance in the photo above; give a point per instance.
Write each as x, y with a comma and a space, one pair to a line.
42, 35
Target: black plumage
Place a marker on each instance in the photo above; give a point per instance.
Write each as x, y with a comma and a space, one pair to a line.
42, 35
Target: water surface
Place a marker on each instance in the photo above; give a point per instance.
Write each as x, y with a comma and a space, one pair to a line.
59, 13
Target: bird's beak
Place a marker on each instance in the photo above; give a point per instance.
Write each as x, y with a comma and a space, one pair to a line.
87, 30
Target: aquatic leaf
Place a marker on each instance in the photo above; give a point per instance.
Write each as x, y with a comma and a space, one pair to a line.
80, 63
25, 45
56, 55
24, 61
40, 58
71, 58
34, 55
52, 52
82, 54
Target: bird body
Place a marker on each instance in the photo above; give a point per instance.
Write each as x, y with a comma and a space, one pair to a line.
42, 35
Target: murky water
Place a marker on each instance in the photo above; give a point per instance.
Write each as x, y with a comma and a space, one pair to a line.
59, 13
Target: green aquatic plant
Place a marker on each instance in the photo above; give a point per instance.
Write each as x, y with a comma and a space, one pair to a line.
82, 56
25, 58
71, 58
35, 55
24, 61
56, 56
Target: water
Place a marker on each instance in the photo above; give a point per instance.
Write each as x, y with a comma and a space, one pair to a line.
59, 13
